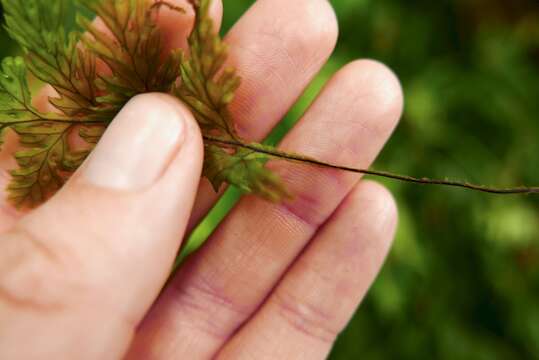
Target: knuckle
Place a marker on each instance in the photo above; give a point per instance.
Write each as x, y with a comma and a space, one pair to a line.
33, 275
307, 207
309, 319
314, 192
206, 307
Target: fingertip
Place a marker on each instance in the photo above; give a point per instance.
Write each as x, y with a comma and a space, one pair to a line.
364, 223
165, 102
380, 94
320, 28
375, 202
277, 56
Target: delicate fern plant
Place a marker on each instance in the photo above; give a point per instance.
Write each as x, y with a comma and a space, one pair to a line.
131, 52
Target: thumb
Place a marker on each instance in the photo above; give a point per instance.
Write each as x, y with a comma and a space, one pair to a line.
78, 274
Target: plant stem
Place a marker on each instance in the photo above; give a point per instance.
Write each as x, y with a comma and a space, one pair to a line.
383, 174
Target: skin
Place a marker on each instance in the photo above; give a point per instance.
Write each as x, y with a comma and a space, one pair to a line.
81, 276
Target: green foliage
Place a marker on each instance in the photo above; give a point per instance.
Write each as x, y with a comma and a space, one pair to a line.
244, 168
47, 154
208, 91
132, 53
52, 55
126, 45
461, 281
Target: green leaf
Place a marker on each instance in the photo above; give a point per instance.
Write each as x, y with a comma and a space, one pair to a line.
243, 169
51, 54
86, 101
133, 52
92, 133
15, 98
42, 136
40, 168
129, 43
208, 87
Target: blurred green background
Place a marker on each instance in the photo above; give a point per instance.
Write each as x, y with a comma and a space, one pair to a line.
462, 281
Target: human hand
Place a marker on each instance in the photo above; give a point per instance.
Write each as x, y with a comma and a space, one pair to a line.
79, 277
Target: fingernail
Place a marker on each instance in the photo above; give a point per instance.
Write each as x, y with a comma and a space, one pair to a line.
138, 145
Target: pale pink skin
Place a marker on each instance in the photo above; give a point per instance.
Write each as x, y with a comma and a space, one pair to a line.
81, 275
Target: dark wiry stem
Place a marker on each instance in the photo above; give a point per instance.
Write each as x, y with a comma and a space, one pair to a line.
384, 174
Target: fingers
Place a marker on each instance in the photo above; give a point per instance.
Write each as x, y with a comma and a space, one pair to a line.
278, 46
77, 274
318, 295
220, 287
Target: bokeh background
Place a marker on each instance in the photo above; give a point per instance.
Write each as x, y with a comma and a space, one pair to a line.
462, 280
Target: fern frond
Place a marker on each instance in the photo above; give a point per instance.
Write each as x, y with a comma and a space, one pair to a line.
128, 43
52, 55
245, 168
131, 46
87, 101
208, 87
47, 157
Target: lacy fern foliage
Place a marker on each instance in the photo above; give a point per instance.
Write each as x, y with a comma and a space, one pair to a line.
95, 71
208, 89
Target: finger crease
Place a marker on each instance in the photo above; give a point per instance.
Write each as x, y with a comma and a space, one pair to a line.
307, 319
199, 296
20, 285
